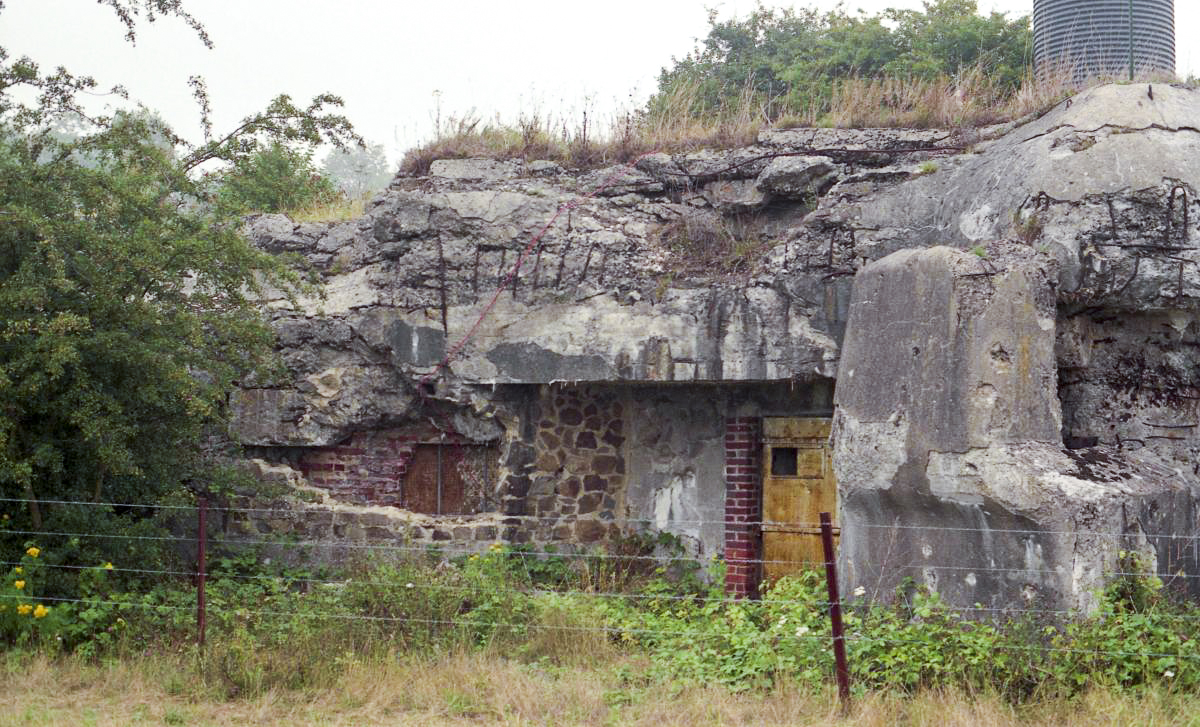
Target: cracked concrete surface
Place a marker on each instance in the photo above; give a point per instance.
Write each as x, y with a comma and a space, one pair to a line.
949, 375
1073, 320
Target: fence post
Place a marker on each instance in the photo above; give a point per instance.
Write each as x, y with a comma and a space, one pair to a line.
201, 569
835, 612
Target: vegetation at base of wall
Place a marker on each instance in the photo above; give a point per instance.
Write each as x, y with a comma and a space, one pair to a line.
276, 627
1135, 639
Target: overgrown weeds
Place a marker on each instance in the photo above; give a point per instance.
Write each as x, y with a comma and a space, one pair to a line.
971, 99
680, 119
1136, 639
272, 629
337, 208
702, 240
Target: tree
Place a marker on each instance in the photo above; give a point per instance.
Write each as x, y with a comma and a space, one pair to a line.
791, 59
950, 35
276, 178
127, 295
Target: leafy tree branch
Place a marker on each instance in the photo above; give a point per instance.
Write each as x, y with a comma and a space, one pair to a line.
129, 300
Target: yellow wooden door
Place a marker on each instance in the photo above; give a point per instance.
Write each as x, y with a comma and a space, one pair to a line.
798, 484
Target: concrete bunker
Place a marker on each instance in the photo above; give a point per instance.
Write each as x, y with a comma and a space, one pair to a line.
1006, 420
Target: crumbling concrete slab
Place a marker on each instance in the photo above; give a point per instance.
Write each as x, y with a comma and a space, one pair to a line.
947, 445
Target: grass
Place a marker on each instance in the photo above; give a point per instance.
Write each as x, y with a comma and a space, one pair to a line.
498, 639
972, 99
338, 209
488, 688
702, 241
677, 122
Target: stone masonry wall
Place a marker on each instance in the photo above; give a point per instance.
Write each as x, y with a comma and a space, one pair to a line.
578, 491
557, 474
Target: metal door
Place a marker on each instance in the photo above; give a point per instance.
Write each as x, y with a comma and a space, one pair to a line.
798, 484
448, 478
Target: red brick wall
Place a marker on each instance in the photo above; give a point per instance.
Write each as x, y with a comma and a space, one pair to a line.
743, 506
368, 468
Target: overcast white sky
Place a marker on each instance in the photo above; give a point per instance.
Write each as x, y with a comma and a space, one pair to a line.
396, 61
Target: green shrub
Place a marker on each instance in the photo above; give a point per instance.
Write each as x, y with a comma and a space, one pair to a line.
915, 643
276, 178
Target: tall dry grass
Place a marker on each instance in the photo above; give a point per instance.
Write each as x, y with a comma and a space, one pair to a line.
337, 209
488, 688
679, 122
585, 142
971, 99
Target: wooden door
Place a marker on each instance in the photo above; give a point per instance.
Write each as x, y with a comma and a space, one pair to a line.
798, 484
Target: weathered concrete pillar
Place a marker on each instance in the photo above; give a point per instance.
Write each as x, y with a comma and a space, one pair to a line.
947, 443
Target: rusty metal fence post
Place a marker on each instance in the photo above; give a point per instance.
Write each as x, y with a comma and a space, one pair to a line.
201, 566
835, 612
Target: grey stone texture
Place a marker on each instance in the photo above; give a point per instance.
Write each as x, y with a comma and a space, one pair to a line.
1034, 374
947, 446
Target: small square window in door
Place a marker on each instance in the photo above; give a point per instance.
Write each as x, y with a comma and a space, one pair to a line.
803, 462
783, 461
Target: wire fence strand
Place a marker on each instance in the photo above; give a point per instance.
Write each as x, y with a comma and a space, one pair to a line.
499, 519
608, 630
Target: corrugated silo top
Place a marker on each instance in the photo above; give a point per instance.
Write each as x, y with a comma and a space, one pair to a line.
1092, 37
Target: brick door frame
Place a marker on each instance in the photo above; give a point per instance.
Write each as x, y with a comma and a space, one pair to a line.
743, 506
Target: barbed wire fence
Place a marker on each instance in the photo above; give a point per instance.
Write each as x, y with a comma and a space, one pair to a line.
203, 538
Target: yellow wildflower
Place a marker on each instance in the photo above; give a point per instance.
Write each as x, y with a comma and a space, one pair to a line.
24, 609
496, 546
18, 585
18, 570
33, 552
108, 566
40, 611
